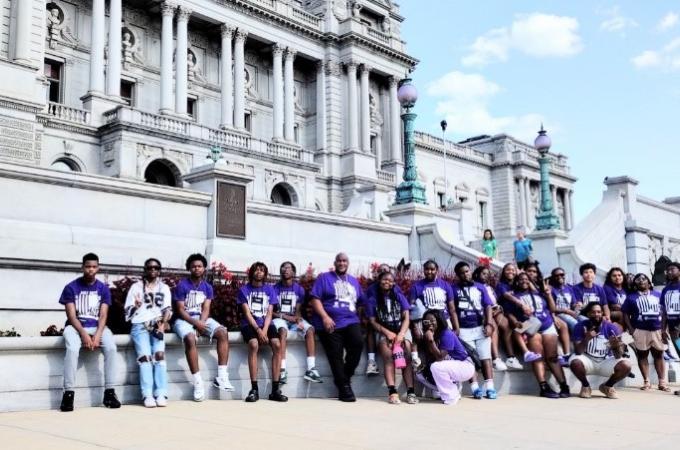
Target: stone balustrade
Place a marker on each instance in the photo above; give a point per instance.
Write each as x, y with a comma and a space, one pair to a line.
387, 177
377, 35
68, 113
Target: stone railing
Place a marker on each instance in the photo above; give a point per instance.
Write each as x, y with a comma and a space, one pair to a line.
230, 138
377, 35
433, 143
557, 162
387, 177
68, 113
289, 11
306, 17
284, 150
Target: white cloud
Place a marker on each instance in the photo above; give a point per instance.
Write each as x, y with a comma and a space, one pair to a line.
616, 22
463, 99
670, 20
666, 58
538, 35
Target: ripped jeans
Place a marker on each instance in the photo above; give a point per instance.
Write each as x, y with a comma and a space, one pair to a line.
153, 374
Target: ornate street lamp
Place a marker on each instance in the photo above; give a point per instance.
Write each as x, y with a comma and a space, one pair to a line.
410, 190
546, 219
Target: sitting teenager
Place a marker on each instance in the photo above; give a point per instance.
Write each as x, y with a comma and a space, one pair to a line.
86, 301
257, 300
149, 307
588, 291
534, 319
563, 294
599, 351
615, 292
191, 301
388, 311
288, 319
473, 323
447, 359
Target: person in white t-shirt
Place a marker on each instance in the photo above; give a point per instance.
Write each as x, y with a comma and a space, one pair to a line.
148, 307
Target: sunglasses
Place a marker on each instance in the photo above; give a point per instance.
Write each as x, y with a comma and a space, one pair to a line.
559, 274
152, 268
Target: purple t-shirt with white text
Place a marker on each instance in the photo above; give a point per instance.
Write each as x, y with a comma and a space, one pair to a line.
193, 295
288, 297
614, 295
586, 295
87, 299
598, 347
644, 310
432, 294
258, 300
471, 303
501, 288
449, 342
388, 311
563, 296
340, 295
538, 306
670, 304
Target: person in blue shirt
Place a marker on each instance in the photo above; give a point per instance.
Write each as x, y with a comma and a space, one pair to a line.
523, 249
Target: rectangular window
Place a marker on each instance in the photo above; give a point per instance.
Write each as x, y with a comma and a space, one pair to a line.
248, 122
53, 73
373, 144
296, 133
191, 108
482, 215
440, 200
127, 92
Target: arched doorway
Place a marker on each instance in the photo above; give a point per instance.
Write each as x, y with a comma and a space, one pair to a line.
284, 194
163, 172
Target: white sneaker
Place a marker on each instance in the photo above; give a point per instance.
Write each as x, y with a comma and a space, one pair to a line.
416, 362
199, 391
499, 365
223, 383
149, 402
513, 363
372, 368
162, 401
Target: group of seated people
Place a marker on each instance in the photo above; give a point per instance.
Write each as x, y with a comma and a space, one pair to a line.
439, 333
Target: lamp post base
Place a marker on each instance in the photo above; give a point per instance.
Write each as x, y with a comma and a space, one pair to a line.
547, 220
410, 192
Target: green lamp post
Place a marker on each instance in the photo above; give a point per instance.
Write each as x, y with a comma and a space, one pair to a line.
546, 219
410, 190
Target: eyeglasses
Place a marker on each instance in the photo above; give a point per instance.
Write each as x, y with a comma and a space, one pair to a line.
149, 268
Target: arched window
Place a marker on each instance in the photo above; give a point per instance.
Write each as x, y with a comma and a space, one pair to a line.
66, 165
163, 172
284, 194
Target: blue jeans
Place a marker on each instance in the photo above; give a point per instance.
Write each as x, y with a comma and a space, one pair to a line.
570, 321
151, 359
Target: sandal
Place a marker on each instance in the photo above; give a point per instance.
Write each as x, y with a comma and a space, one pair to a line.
646, 385
394, 399
664, 388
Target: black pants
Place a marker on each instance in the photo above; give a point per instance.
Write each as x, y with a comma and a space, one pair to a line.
335, 344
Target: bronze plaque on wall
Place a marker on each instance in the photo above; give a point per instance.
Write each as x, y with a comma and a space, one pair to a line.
231, 210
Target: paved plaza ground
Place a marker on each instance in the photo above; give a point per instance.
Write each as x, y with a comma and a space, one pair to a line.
637, 420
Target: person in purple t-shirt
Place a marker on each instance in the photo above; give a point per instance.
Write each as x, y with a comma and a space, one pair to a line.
587, 291
642, 314
615, 293
670, 306
563, 294
86, 301
447, 359
474, 325
335, 297
191, 301
430, 293
598, 351
535, 319
257, 300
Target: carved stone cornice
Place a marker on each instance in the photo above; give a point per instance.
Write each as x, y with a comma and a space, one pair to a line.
183, 14
168, 8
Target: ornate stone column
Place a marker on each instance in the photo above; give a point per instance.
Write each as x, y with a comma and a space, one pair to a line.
568, 213
353, 113
527, 202
395, 123
167, 14
115, 47
97, 47
289, 95
277, 74
22, 32
320, 105
522, 203
365, 110
239, 79
227, 78
181, 76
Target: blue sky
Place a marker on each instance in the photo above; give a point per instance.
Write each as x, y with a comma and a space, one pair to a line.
602, 76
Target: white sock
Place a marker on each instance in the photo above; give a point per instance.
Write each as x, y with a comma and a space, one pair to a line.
488, 384
474, 386
222, 372
311, 362
371, 357
283, 363
197, 377
414, 355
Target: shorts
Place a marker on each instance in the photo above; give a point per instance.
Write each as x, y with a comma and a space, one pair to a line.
604, 368
249, 333
550, 331
292, 327
474, 337
645, 339
569, 320
183, 328
379, 337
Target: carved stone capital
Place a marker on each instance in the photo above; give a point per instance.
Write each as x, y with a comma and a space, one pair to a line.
183, 14
227, 30
241, 35
352, 65
290, 53
365, 69
277, 49
393, 81
168, 8
333, 68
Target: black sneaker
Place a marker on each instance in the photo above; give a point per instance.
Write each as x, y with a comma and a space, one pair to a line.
565, 392
278, 396
253, 396
345, 394
547, 392
110, 399
67, 401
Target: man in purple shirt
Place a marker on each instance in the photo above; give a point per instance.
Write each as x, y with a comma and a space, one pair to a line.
587, 291
335, 297
86, 301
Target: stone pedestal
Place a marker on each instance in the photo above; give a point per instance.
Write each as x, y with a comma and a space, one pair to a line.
466, 215
637, 248
98, 104
545, 243
412, 214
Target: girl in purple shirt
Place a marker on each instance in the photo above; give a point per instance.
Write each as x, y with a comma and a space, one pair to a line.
615, 293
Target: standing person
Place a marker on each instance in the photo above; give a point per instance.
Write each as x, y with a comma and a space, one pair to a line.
598, 351
510, 302
670, 306
481, 275
588, 291
536, 312
257, 300
335, 296
86, 301
388, 311
474, 325
432, 293
642, 314
149, 306
523, 248
371, 291
563, 294
288, 319
191, 302
489, 245
615, 293
448, 361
